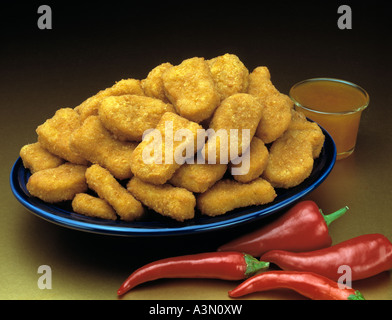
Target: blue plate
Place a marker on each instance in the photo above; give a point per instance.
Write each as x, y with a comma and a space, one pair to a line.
156, 225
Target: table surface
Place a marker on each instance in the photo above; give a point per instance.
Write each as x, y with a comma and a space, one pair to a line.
44, 70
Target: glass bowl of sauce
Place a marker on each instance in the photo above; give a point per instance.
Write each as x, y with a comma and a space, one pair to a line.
334, 104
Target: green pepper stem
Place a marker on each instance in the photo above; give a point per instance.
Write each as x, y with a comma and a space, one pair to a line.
253, 265
334, 216
356, 296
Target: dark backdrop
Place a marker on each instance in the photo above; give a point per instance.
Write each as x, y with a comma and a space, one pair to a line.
93, 45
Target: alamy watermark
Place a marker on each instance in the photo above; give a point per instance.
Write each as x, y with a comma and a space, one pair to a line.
45, 19
223, 147
45, 278
346, 278
345, 20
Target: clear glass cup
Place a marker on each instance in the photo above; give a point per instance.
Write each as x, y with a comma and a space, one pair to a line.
334, 104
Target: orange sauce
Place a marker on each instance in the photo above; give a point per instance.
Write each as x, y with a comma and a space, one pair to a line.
336, 106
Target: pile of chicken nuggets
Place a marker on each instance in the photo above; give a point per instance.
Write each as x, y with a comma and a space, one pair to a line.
92, 155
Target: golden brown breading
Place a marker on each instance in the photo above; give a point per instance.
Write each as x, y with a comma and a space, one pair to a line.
292, 155
260, 84
153, 84
145, 133
276, 117
191, 89
90, 206
158, 167
108, 188
169, 201
230, 75
227, 195
129, 116
258, 159
90, 106
35, 158
53, 135
309, 131
239, 111
198, 177
97, 145
58, 184
290, 162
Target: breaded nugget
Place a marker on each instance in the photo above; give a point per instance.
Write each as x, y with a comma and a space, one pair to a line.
191, 89
292, 155
90, 106
129, 116
309, 131
227, 195
260, 84
158, 156
90, 206
58, 184
230, 75
35, 158
290, 163
276, 117
176, 203
96, 144
53, 135
258, 160
108, 188
153, 84
198, 177
239, 111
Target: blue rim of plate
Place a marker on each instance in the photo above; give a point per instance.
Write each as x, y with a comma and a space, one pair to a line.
155, 224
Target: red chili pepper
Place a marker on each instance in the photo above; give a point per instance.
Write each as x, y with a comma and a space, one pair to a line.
366, 256
213, 265
308, 284
303, 228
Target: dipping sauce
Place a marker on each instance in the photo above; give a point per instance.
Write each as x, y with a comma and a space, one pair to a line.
336, 105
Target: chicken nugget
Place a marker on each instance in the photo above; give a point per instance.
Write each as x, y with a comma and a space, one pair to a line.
198, 177
310, 131
165, 149
276, 117
54, 134
153, 84
237, 113
35, 158
129, 116
292, 155
290, 162
176, 203
227, 195
260, 84
98, 145
230, 75
258, 159
191, 89
90, 106
108, 188
58, 184
90, 206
